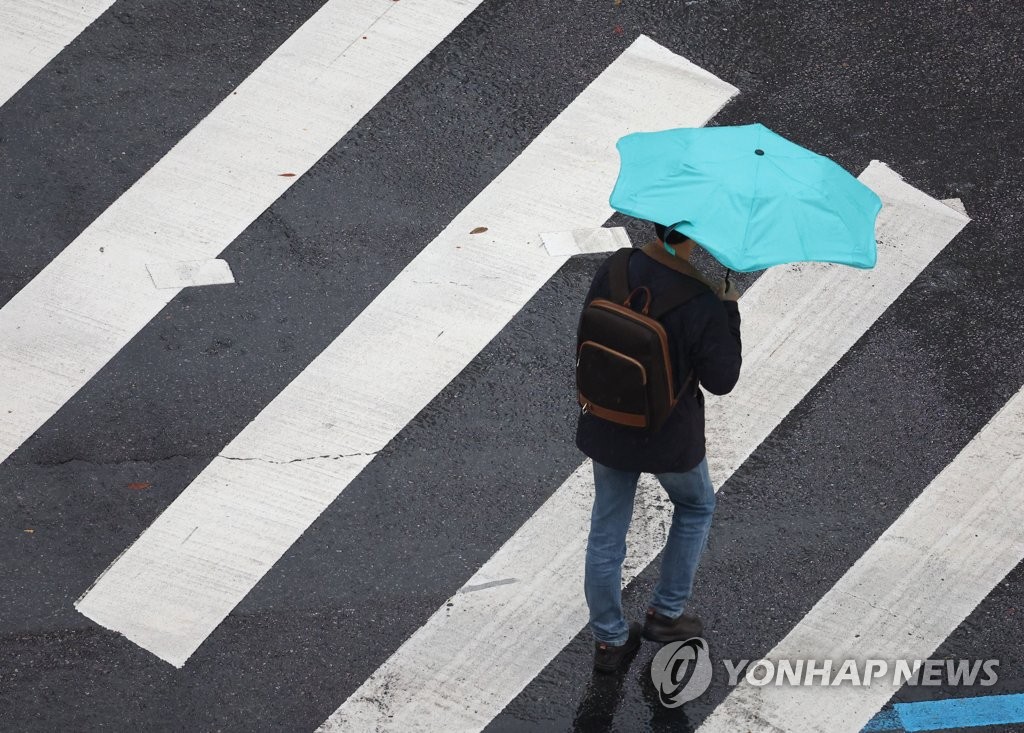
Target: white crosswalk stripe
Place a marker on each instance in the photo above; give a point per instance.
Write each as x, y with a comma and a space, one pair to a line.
248, 507
444, 678
32, 32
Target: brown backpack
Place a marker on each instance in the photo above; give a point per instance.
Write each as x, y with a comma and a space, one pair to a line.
624, 360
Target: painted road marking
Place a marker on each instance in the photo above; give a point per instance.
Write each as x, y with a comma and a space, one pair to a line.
798, 323
908, 592
969, 712
273, 480
96, 295
190, 274
585, 241
34, 31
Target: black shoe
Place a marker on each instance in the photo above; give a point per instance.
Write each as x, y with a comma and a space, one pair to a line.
659, 627
608, 658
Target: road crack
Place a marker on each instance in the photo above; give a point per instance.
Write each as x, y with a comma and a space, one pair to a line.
330, 457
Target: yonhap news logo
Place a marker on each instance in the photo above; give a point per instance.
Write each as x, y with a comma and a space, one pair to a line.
682, 670
864, 672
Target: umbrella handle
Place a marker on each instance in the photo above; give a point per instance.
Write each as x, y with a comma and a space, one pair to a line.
727, 273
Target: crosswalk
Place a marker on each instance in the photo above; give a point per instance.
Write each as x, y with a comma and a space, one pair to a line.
544, 559
170, 590
922, 577
203, 194
360, 392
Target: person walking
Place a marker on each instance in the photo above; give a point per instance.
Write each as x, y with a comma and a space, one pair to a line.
704, 336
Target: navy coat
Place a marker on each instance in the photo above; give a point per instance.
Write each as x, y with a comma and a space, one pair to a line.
705, 336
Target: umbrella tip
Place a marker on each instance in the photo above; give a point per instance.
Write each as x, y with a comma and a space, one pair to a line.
759, 152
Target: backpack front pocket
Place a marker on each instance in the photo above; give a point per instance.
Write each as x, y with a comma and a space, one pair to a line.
611, 380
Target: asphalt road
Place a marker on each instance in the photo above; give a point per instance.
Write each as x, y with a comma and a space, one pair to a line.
932, 88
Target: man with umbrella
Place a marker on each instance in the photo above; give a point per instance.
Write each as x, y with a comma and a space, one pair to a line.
752, 199
705, 336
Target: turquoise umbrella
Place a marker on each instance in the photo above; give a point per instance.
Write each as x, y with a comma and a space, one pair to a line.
747, 195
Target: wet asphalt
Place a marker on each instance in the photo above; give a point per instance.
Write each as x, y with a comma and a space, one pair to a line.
931, 88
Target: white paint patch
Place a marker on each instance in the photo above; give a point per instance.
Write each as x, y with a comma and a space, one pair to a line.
256, 499
69, 321
798, 322
585, 241
956, 205
190, 274
907, 593
32, 32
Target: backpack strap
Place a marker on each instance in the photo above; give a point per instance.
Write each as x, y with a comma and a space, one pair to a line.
618, 274
688, 289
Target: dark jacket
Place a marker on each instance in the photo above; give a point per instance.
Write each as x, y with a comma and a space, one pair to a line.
705, 336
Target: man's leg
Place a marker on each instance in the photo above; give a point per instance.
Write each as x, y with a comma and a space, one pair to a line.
694, 499
606, 549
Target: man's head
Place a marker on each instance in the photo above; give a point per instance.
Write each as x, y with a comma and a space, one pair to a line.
673, 238
681, 245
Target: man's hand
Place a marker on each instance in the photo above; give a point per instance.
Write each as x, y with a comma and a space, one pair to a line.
728, 291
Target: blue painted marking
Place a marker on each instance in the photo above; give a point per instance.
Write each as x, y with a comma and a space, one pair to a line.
945, 714
961, 713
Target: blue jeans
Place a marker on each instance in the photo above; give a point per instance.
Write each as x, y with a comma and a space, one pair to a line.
693, 497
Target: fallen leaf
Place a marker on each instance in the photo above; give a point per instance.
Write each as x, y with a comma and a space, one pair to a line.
139, 485
286, 175
479, 230
618, 30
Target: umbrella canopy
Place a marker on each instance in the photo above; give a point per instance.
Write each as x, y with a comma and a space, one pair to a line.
747, 195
